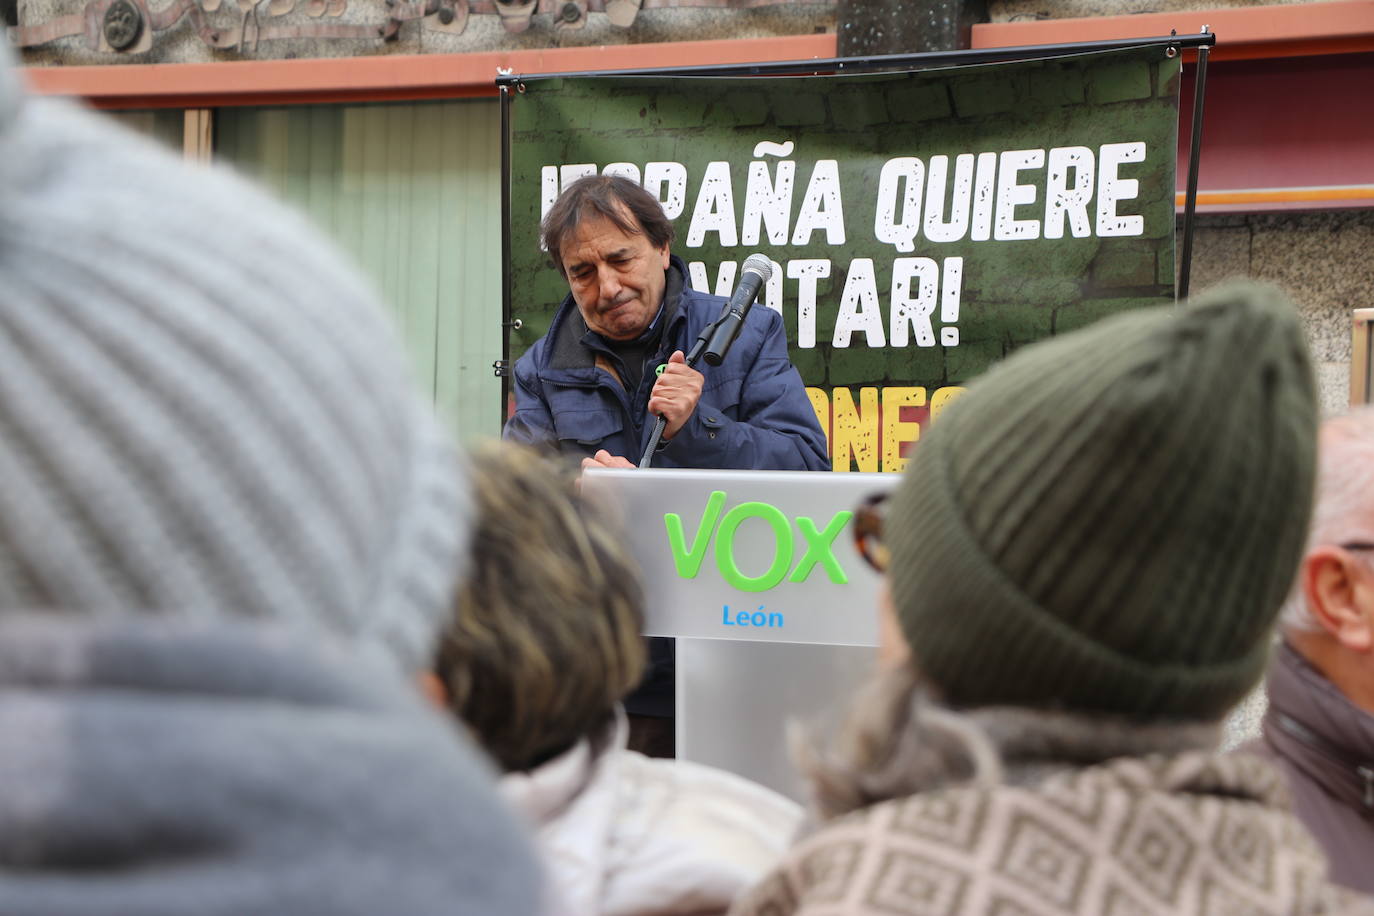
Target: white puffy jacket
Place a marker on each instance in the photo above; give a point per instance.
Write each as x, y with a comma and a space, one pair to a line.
625, 834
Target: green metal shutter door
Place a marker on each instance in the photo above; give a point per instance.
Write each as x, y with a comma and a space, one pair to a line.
166, 125
412, 192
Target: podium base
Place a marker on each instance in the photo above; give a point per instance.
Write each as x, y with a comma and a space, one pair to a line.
734, 700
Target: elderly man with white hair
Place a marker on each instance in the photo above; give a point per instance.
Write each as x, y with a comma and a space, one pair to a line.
1320, 723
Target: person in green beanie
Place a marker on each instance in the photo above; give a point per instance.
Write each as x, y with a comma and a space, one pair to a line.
1084, 563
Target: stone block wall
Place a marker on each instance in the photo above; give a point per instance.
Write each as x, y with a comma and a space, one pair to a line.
1322, 260
65, 32
1015, 10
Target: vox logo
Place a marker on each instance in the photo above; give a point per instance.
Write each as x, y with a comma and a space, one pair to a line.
816, 544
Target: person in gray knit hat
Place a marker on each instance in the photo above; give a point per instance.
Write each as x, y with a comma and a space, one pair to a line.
1085, 560
229, 531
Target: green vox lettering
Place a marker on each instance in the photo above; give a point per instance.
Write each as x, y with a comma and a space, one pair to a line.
688, 562
722, 530
725, 547
818, 548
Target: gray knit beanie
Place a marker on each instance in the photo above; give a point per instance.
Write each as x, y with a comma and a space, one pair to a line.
1109, 521
203, 411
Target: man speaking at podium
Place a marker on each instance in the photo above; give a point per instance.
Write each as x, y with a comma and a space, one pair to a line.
613, 358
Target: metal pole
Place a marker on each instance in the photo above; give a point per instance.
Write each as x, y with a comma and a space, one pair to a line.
1185, 268
927, 60
504, 368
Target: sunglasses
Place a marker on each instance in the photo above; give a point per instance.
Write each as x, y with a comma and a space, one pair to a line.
868, 531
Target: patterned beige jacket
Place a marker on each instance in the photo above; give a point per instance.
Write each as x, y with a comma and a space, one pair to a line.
1190, 833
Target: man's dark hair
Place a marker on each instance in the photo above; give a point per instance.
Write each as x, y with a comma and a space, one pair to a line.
610, 197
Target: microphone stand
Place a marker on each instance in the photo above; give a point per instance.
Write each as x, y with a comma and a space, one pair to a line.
717, 337
693, 357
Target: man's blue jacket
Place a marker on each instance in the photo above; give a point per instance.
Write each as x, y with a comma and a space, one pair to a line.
753, 412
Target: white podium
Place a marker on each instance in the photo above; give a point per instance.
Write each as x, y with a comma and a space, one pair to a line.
775, 611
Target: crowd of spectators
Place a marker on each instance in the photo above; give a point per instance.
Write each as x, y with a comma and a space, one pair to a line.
268, 644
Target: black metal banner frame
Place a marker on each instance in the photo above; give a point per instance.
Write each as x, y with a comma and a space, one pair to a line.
503, 366
1185, 261
511, 83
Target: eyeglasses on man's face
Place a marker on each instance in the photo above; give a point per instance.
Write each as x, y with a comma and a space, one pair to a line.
868, 531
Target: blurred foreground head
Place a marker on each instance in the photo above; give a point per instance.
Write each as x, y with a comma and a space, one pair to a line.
545, 639
1108, 521
226, 520
203, 411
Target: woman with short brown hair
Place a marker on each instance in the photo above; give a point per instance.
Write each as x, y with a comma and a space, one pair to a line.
544, 643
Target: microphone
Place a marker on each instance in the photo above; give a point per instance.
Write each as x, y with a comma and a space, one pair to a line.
756, 271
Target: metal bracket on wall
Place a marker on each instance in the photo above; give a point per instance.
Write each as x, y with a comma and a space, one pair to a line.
622, 13
572, 14
1362, 357
500, 368
515, 14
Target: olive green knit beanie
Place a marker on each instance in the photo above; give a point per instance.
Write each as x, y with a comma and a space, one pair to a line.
1109, 520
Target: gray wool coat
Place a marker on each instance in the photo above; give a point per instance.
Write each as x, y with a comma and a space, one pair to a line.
1324, 745
165, 770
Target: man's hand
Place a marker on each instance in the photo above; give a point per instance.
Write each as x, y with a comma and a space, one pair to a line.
676, 393
604, 459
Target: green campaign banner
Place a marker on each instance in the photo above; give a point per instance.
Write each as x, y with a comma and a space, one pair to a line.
922, 224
